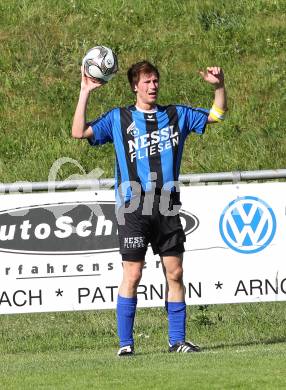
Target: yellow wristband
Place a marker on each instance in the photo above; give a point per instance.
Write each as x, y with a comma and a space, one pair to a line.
217, 114
219, 110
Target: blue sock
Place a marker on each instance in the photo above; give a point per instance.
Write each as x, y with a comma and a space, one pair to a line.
177, 321
126, 309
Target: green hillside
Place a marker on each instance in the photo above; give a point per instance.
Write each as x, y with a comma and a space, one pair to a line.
42, 43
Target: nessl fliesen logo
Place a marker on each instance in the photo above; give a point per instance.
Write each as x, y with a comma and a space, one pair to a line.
247, 225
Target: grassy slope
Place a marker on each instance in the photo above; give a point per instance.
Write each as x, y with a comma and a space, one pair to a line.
43, 43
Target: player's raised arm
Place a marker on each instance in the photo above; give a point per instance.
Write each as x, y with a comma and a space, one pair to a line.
215, 76
79, 127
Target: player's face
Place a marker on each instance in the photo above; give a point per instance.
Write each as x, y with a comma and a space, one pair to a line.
147, 90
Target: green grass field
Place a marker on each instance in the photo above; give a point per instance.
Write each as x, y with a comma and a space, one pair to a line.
41, 44
243, 347
254, 367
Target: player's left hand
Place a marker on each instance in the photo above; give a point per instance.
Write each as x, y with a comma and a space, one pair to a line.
213, 75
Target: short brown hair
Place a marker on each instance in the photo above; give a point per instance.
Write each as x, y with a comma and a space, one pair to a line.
135, 70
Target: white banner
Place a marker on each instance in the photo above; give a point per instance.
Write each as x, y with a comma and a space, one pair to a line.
59, 251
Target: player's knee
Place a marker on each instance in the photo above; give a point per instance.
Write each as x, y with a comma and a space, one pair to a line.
175, 275
133, 277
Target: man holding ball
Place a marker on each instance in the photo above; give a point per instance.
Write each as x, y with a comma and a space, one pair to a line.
148, 139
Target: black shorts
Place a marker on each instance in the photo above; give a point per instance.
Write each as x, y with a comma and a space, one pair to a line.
164, 232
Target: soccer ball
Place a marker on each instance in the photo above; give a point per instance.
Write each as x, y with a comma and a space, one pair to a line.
100, 63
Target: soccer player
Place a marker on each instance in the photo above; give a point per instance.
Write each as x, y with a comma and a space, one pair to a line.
148, 139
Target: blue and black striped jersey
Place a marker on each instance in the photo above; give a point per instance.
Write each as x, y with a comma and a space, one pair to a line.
148, 146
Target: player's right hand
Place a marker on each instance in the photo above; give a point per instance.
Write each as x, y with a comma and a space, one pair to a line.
88, 83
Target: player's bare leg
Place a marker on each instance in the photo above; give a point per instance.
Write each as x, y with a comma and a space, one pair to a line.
132, 273
173, 271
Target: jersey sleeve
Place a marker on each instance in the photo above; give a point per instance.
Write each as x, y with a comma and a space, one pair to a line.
102, 129
196, 119
192, 119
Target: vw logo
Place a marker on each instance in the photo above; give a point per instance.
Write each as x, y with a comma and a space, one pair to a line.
247, 225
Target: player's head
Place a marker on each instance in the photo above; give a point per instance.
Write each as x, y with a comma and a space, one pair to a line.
136, 70
144, 78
